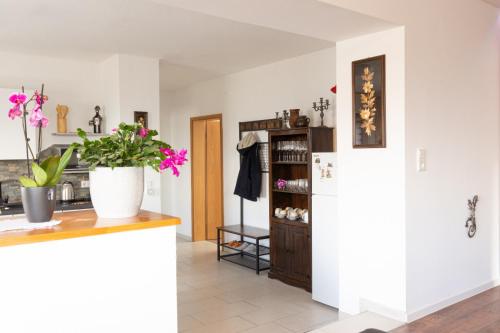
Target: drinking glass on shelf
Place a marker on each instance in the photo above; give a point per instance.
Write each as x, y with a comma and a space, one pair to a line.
289, 152
285, 151
282, 152
304, 150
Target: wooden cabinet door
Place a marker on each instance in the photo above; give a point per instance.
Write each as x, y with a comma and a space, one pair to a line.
279, 251
298, 244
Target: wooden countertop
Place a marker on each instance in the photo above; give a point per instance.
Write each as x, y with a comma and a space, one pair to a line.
85, 223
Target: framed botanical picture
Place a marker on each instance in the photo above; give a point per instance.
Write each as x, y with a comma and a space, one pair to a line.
368, 103
141, 117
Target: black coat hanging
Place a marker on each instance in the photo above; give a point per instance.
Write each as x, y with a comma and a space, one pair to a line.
249, 182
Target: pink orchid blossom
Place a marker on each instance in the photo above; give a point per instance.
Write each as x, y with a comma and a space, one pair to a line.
44, 122
39, 98
143, 132
114, 130
17, 98
38, 119
15, 112
173, 160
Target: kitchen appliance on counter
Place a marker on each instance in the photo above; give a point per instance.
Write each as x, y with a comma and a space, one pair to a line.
67, 192
75, 165
325, 279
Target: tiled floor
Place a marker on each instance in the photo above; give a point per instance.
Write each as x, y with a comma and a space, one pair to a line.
359, 323
224, 297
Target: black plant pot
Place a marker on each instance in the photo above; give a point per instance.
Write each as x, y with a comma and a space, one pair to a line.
39, 203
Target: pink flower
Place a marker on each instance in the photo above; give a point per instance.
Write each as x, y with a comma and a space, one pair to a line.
17, 98
173, 159
39, 98
281, 184
114, 130
38, 119
44, 122
15, 112
143, 132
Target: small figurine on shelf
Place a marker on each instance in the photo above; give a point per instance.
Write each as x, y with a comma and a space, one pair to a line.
96, 121
62, 113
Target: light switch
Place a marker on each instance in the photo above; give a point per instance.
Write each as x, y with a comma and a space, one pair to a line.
150, 188
421, 160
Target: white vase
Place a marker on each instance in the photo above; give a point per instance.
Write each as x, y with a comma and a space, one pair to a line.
118, 192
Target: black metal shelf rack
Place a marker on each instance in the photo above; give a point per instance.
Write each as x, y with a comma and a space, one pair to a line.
248, 254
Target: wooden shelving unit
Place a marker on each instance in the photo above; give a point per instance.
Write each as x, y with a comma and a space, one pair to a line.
290, 241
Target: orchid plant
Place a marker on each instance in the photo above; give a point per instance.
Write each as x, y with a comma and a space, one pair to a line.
48, 172
130, 145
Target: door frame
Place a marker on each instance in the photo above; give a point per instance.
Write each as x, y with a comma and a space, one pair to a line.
207, 117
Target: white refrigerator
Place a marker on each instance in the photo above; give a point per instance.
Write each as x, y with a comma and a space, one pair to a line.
325, 280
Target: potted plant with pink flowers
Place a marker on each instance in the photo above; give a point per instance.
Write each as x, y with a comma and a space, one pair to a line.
117, 162
38, 187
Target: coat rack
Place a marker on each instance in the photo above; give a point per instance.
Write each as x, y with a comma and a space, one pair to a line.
251, 126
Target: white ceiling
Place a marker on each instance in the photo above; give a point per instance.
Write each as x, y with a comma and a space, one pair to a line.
195, 39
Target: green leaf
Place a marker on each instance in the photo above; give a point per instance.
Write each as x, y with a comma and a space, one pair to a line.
50, 166
81, 133
63, 162
40, 174
27, 182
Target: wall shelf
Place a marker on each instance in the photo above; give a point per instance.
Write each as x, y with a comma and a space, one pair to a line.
290, 192
290, 163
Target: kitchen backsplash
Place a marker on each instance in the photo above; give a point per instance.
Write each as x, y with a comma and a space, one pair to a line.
10, 170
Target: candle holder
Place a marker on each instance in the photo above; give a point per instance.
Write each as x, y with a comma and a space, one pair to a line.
321, 107
286, 120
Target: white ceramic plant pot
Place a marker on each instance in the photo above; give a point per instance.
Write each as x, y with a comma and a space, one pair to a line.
118, 192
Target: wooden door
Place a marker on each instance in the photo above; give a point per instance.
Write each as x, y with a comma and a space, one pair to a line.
279, 250
199, 178
298, 243
214, 178
206, 177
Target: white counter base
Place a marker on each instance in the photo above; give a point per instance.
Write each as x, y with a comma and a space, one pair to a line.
121, 282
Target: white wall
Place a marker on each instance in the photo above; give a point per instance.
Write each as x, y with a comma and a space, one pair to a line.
70, 82
371, 187
452, 110
109, 82
455, 92
249, 95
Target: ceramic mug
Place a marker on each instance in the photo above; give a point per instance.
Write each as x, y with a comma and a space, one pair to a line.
292, 215
277, 212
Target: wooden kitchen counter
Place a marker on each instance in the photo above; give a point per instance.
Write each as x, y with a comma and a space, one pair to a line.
86, 223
